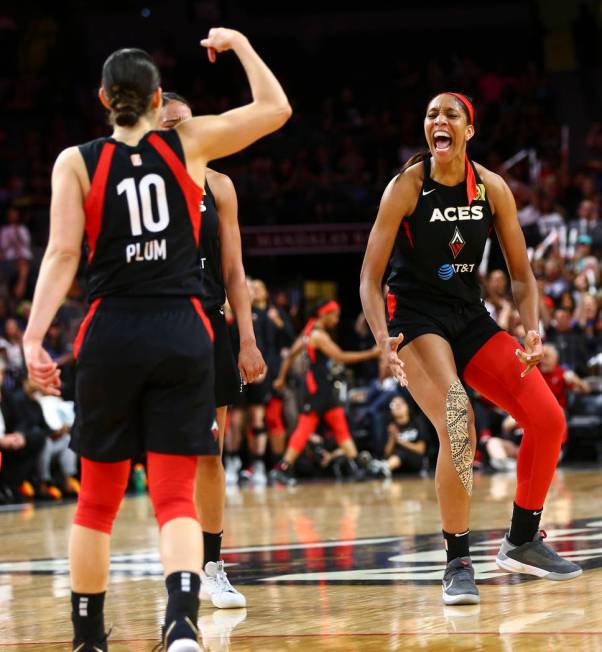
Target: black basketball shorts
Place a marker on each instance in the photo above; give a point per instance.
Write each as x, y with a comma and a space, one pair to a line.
324, 399
144, 380
466, 326
228, 384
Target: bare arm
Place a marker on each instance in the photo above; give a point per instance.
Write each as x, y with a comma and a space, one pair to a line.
524, 286
399, 200
321, 340
206, 138
250, 360
293, 352
59, 264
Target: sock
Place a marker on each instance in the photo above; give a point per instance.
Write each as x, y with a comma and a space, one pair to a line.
525, 524
87, 616
212, 546
456, 545
182, 597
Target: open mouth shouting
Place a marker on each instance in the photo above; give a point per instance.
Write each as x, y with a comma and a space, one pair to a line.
442, 140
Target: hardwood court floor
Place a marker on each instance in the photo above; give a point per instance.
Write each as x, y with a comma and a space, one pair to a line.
325, 567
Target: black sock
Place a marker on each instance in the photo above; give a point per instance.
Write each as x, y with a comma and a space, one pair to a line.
456, 545
182, 596
525, 524
212, 547
87, 616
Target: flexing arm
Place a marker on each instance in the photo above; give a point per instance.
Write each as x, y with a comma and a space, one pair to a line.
250, 360
399, 199
321, 340
59, 264
287, 361
524, 286
206, 138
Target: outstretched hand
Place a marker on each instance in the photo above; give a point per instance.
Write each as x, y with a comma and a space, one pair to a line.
389, 347
533, 353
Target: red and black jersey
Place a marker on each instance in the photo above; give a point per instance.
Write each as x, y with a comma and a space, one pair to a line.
318, 375
214, 294
143, 218
439, 246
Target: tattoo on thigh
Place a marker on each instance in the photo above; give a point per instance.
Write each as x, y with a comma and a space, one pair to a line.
456, 408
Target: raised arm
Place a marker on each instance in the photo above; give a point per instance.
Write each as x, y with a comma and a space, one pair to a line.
209, 137
250, 360
59, 264
399, 199
524, 286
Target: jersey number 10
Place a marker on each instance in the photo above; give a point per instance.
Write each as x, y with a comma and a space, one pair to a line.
144, 206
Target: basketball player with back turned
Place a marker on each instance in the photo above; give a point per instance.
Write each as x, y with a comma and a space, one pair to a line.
144, 352
435, 217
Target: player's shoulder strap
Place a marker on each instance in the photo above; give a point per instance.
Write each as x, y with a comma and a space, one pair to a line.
91, 152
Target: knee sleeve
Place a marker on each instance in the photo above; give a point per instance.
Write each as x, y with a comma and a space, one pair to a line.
305, 427
257, 431
494, 371
337, 421
102, 488
273, 417
456, 414
171, 486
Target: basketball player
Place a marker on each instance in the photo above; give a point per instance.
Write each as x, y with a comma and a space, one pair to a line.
436, 216
144, 352
320, 401
223, 272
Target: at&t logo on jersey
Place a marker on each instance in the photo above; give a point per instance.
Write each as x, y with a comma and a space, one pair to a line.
447, 271
457, 213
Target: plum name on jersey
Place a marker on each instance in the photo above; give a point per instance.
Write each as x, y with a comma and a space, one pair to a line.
146, 251
457, 213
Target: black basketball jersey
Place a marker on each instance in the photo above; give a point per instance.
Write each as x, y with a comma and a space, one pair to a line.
318, 375
439, 247
143, 218
214, 294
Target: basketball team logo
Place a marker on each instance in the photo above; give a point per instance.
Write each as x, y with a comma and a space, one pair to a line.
456, 244
480, 192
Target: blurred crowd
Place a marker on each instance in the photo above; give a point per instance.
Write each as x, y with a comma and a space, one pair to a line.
330, 164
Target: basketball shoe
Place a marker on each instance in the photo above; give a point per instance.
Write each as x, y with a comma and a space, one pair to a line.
536, 558
180, 636
458, 582
216, 587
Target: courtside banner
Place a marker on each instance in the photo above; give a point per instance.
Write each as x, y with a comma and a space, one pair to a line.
280, 240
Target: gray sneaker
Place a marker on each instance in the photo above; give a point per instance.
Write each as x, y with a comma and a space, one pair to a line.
536, 558
458, 583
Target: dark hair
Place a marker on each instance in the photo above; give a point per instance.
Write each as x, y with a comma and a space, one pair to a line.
421, 156
168, 97
129, 78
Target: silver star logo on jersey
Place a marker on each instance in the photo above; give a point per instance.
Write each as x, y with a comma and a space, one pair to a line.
456, 244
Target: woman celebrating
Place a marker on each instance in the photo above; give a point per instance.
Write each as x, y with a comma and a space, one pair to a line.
436, 216
145, 380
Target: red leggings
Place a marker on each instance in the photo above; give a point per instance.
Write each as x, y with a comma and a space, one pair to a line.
335, 419
273, 416
170, 484
494, 371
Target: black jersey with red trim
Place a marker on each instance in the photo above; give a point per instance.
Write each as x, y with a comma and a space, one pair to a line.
143, 218
214, 294
439, 247
318, 375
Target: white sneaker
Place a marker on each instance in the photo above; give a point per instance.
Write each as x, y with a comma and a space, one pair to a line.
216, 587
259, 477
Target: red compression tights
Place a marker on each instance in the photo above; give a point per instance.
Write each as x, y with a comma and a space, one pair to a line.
335, 419
273, 417
170, 483
494, 371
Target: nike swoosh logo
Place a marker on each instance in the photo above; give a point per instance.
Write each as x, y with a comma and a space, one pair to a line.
448, 586
537, 513
428, 192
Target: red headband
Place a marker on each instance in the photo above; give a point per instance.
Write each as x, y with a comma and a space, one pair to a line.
466, 102
471, 182
331, 306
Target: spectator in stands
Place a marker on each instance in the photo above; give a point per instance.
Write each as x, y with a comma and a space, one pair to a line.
11, 346
570, 341
15, 251
559, 379
20, 448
